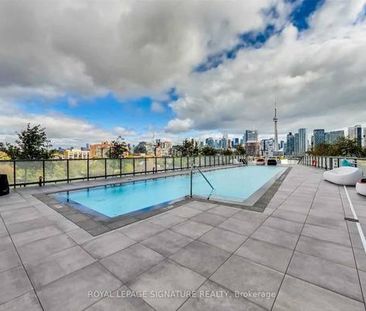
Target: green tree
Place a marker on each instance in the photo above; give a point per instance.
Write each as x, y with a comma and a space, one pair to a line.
119, 147
240, 150
33, 143
227, 152
208, 151
342, 147
187, 149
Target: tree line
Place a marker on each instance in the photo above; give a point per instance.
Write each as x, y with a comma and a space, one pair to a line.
343, 147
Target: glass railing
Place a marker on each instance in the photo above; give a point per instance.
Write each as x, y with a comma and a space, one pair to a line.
31, 172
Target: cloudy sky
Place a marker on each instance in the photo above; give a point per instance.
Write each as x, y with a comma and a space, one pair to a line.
93, 70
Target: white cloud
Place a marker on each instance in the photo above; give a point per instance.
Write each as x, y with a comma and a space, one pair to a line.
178, 125
318, 78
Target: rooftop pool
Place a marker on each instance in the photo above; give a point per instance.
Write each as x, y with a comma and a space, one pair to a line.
234, 185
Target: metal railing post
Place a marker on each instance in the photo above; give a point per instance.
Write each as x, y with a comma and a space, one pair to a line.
133, 166
43, 172
145, 166
14, 174
87, 168
165, 164
68, 171
120, 167
105, 169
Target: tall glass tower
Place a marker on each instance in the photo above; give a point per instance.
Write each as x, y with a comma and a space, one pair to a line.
275, 120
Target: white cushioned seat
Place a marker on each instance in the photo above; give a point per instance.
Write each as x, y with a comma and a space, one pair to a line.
344, 175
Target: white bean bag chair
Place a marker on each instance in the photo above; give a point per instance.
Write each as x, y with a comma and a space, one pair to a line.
344, 175
361, 187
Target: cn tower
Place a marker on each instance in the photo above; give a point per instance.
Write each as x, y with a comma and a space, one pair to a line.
275, 120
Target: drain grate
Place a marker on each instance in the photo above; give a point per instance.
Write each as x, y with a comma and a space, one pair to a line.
351, 219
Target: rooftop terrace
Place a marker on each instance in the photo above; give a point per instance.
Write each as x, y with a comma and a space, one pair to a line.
299, 254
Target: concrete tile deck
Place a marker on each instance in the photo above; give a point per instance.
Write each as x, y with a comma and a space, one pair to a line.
299, 254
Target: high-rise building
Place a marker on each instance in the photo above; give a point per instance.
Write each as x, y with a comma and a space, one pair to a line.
302, 141
296, 143
267, 147
355, 133
275, 120
290, 144
251, 136
210, 142
333, 136
318, 137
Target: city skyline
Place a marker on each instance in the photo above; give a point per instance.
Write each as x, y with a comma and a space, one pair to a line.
90, 72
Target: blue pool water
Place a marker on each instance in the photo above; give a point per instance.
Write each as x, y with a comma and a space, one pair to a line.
232, 184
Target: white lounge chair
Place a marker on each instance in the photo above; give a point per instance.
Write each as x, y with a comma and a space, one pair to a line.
344, 175
361, 187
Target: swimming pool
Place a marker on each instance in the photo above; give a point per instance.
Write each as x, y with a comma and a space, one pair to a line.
231, 184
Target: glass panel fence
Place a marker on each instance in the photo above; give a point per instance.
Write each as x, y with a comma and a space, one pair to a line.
78, 169
7, 168
139, 165
160, 164
150, 164
113, 167
28, 171
97, 168
169, 163
127, 166
177, 163
55, 170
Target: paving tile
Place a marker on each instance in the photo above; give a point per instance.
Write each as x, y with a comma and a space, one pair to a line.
20, 215
270, 255
184, 211
291, 216
167, 220
284, 225
59, 265
79, 235
41, 249
327, 274
9, 259
75, 291
191, 229
167, 276
326, 234
202, 206
167, 242
14, 283
201, 257
141, 230
107, 244
26, 237
225, 211
275, 236
224, 239
122, 300
6, 243
209, 219
239, 226
35, 223
303, 296
212, 297
27, 302
339, 224
132, 261
246, 278
327, 250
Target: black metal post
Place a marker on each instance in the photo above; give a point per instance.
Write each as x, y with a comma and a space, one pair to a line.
14, 174
68, 171
133, 166
145, 165
43, 172
120, 167
87, 169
